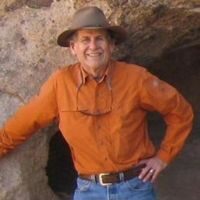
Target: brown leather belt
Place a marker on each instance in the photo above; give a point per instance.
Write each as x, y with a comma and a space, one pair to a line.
111, 178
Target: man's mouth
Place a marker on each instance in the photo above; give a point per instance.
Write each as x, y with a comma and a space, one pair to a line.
93, 55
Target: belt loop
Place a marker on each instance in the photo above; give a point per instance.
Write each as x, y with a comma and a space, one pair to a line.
121, 176
93, 178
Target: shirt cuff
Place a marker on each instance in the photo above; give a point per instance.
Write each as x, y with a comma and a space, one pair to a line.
164, 156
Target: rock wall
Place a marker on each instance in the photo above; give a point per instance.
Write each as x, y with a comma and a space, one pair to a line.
159, 32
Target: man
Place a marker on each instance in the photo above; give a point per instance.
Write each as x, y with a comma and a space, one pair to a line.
101, 105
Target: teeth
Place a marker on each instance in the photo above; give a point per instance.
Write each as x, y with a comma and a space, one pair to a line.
93, 54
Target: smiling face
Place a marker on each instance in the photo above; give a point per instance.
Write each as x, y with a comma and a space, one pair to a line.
93, 48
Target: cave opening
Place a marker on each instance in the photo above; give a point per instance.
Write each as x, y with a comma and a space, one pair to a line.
180, 67
60, 168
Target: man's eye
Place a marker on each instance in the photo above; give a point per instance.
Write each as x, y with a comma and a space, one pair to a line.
101, 38
84, 40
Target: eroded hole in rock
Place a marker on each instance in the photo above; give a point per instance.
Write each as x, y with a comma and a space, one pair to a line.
181, 69
60, 169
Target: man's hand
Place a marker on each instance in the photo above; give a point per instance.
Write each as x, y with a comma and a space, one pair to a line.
152, 169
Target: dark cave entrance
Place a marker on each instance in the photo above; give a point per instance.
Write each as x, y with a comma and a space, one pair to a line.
180, 67
60, 168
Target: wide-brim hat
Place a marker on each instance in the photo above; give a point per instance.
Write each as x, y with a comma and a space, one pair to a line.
90, 18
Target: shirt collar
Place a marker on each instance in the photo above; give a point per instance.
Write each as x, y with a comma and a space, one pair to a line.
84, 76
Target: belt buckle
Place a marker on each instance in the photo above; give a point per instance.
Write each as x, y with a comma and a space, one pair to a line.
101, 180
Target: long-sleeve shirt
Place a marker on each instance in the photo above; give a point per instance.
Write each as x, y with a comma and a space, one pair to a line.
104, 121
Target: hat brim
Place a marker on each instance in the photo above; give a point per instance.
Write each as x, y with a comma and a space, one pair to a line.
118, 33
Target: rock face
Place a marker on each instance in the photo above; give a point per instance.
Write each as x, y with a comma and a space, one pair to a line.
164, 36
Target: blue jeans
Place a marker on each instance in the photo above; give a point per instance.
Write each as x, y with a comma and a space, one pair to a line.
133, 189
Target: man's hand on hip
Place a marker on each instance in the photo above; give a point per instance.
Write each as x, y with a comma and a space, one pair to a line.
152, 169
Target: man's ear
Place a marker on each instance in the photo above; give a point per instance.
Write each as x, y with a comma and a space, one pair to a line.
71, 45
112, 47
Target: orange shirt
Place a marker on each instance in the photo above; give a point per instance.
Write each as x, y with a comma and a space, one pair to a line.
104, 121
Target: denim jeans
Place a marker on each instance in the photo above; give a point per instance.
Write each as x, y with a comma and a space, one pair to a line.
133, 189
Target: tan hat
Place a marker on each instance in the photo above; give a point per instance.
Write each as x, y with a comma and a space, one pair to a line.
90, 17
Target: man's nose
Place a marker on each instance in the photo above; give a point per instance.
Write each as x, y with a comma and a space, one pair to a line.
93, 44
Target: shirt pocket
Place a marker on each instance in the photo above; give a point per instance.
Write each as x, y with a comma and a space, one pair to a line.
67, 104
68, 117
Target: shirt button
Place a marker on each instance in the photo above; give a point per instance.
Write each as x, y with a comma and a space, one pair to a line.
99, 127
97, 112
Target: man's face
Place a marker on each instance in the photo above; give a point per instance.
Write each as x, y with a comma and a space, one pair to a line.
93, 48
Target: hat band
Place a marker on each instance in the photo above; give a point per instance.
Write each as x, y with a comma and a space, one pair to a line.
104, 25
